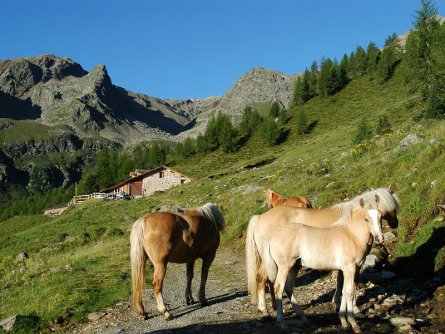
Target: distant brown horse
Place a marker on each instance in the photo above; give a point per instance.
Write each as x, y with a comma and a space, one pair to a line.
274, 199
166, 237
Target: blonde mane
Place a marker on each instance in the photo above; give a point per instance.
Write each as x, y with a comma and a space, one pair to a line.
388, 202
211, 212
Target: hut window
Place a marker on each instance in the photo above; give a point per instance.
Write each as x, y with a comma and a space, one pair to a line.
161, 175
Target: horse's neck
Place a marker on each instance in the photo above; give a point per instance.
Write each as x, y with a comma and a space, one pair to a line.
358, 229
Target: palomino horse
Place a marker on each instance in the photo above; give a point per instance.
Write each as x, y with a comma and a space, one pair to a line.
274, 199
259, 230
166, 237
342, 247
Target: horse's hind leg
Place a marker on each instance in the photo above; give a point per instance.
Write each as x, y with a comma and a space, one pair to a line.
354, 302
272, 295
337, 294
261, 291
206, 262
289, 289
188, 291
158, 281
279, 285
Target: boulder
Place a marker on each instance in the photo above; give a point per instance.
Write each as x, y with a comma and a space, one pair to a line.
401, 321
8, 323
410, 140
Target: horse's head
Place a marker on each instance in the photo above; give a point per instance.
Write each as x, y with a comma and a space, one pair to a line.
373, 218
391, 219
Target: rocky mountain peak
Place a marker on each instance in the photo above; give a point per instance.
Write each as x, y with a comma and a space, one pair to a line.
18, 76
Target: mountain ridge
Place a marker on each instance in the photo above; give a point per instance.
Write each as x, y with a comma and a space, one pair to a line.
55, 90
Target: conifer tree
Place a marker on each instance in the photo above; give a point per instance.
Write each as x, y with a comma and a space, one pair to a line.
325, 80
301, 90
226, 134
424, 60
312, 80
373, 55
301, 122
363, 132
389, 58
188, 149
274, 109
343, 72
383, 126
272, 132
250, 120
360, 62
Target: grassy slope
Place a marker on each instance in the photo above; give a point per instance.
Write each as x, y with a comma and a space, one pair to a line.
90, 269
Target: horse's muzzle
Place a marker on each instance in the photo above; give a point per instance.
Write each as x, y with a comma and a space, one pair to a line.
380, 239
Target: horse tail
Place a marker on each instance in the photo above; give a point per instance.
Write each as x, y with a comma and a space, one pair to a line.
253, 260
138, 258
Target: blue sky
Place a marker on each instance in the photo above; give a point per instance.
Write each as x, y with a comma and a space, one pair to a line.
197, 48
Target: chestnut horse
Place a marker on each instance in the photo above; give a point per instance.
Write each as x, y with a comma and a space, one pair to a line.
343, 246
274, 199
259, 230
166, 237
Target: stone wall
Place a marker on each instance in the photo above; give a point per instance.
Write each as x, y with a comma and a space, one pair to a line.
161, 181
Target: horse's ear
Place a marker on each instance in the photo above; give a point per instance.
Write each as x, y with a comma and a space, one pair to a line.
377, 199
362, 203
391, 191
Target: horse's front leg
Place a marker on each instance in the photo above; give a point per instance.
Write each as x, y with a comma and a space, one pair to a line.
206, 262
347, 302
158, 281
188, 290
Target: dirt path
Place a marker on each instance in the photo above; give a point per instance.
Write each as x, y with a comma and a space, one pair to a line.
230, 311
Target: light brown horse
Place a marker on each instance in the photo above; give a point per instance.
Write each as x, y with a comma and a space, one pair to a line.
259, 230
274, 199
166, 237
342, 247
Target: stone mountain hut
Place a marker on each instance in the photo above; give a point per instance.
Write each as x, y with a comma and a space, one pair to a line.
145, 182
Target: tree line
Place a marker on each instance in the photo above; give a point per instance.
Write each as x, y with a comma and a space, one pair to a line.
422, 60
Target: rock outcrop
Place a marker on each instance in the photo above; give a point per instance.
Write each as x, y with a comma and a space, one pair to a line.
257, 86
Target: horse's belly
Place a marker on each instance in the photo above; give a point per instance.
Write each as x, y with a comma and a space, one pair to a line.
315, 261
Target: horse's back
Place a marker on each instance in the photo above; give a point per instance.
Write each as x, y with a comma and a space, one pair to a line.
299, 202
179, 238
283, 214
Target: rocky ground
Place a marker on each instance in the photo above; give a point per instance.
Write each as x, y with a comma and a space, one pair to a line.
388, 303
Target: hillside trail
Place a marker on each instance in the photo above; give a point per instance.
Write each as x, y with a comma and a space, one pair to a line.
388, 306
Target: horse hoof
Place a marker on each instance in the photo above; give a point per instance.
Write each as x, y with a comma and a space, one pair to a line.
345, 327
357, 330
204, 302
190, 302
168, 316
